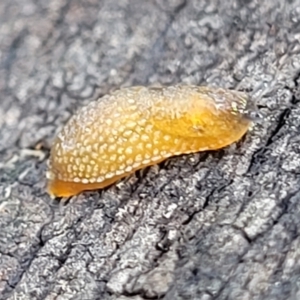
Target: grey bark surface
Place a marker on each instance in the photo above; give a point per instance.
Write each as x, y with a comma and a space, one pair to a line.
213, 225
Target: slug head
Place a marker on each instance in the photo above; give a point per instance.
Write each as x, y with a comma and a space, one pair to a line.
215, 117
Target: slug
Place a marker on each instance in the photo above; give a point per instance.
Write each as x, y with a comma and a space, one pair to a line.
137, 127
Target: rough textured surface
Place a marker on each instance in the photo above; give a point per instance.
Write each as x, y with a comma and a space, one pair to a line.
215, 225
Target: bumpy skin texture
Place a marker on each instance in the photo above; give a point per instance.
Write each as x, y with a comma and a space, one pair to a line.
136, 127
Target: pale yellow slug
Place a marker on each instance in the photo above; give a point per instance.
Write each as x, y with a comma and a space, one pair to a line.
136, 127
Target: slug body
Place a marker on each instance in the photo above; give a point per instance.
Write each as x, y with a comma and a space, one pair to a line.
136, 127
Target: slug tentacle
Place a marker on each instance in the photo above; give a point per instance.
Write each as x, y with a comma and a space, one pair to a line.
136, 127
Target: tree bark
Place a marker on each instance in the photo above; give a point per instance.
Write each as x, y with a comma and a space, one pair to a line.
212, 225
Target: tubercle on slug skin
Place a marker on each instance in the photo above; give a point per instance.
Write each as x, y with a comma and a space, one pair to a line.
137, 127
